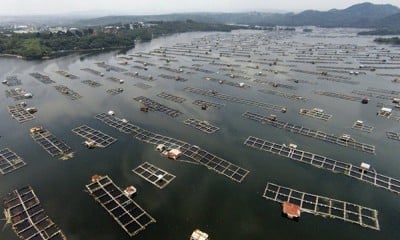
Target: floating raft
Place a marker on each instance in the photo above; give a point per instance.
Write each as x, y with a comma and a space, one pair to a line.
315, 113
91, 83
393, 135
29, 221
67, 74
282, 94
19, 113
226, 82
203, 126
54, 146
13, 81
208, 104
156, 176
339, 95
116, 80
101, 139
109, 67
342, 141
155, 106
171, 97
115, 91
142, 85
369, 176
126, 212
92, 71
193, 152
144, 78
215, 94
42, 78
359, 125
176, 78
67, 92
324, 206
9, 161
17, 94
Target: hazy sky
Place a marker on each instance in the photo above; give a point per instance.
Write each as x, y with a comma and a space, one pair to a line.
22, 7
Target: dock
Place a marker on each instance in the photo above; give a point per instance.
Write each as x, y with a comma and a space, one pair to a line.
154, 175
208, 104
19, 113
324, 206
101, 139
158, 107
66, 91
315, 113
10, 161
193, 152
126, 212
92, 83
42, 78
322, 162
171, 97
361, 126
23, 210
203, 126
215, 94
51, 144
344, 140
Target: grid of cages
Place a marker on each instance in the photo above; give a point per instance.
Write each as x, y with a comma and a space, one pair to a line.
10, 161
154, 175
101, 139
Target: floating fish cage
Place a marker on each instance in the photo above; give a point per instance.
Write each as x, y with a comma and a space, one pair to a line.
10, 161
154, 175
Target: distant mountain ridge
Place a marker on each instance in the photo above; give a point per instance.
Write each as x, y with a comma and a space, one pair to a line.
365, 15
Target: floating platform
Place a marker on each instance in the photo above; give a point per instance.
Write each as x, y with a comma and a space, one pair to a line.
339, 95
126, 212
116, 80
71, 94
115, 91
155, 106
359, 173
52, 145
344, 140
226, 82
215, 94
315, 113
91, 83
101, 139
141, 77
154, 175
10, 161
109, 67
196, 154
142, 85
67, 74
393, 135
360, 125
27, 217
171, 97
92, 71
42, 78
19, 113
203, 126
176, 78
208, 104
18, 94
324, 206
282, 94
12, 81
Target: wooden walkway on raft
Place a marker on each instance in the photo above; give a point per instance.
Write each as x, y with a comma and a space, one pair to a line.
324, 206
42, 78
155, 106
208, 104
362, 127
193, 152
203, 126
315, 113
92, 83
67, 74
154, 175
171, 97
393, 135
52, 145
101, 139
126, 212
27, 217
115, 91
339, 95
283, 94
215, 94
310, 132
19, 113
92, 71
322, 162
10, 161
66, 91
